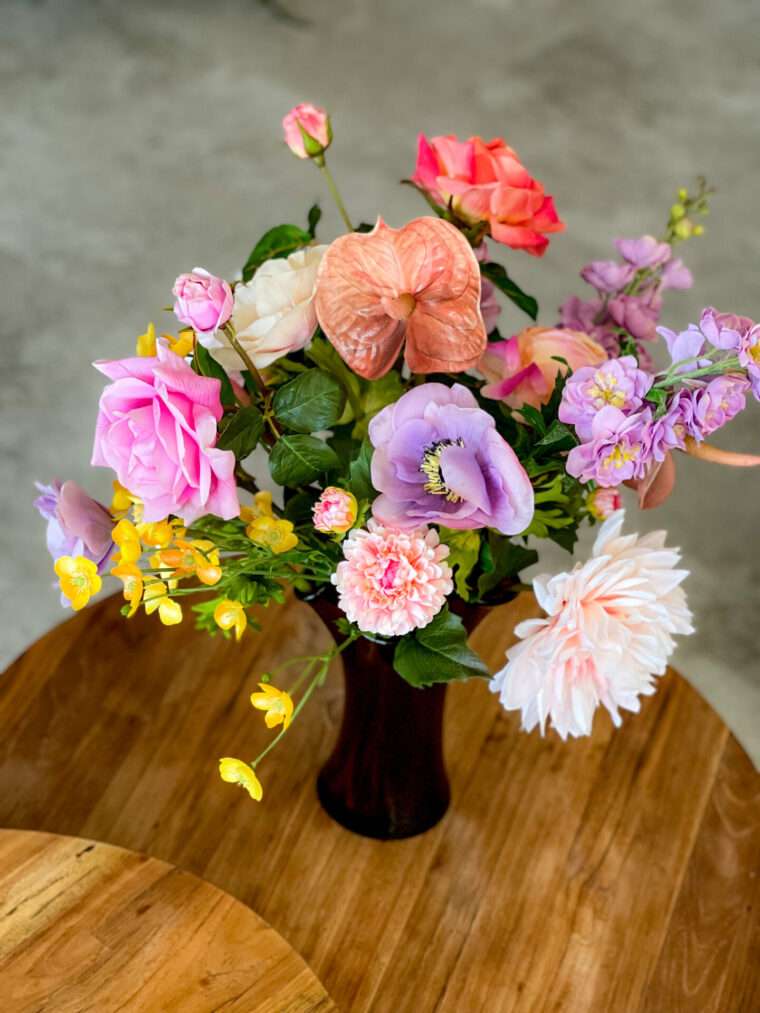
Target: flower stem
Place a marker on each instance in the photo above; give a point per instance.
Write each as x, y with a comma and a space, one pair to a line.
334, 193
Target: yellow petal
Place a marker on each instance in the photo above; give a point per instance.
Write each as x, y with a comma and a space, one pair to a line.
169, 612
146, 343
234, 771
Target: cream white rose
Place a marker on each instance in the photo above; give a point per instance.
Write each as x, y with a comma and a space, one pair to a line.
274, 312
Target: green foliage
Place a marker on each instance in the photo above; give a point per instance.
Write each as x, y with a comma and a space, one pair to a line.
359, 474
299, 459
298, 507
312, 401
206, 365
438, 653
242, 432
464, 552
280, 241
497, 274
375, 395
501, 560
323, 355
313, 218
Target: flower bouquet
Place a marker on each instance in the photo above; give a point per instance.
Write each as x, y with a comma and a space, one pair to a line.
417, 458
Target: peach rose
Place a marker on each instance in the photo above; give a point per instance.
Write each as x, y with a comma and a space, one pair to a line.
486, 182
523, 369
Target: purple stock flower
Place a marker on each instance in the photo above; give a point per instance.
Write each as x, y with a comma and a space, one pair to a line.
675, 274
607, 275
490, 308
685, 347
616, 451
643, 252
77, 525
637, 314
670, 430
439, 460
718, 402
617, 382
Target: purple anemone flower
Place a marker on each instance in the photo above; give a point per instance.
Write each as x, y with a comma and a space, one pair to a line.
77, 524
439, 460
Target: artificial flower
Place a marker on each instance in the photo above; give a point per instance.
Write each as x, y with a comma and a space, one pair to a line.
307, 130
276, 703
78, 578
202, 301
132, 578
485, 182
127, 539
77, 525
524, 369
274, 312
157, 429
158, 534
335, 511
390, 581
237, 772
260, 507
419, 284
156, 598
603, 503
608, 633
229, 615
275, 534
617, 449
197, 558
616, 382
439, 459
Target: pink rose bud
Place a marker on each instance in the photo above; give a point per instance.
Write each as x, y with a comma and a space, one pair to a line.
603, 503
335, 511
202, 301
307, 130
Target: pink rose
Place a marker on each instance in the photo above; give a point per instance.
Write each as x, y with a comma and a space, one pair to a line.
523, 369
486, 182
202, 301
157, 429
307, 130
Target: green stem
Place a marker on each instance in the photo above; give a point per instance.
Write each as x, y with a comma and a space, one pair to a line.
334, 193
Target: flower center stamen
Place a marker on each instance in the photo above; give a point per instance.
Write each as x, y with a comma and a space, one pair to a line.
399, 308
431, 469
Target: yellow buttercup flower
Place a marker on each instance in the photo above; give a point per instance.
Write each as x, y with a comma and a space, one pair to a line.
146, 343
199, 558
237, 772
156, 598
261, 507
273, 533
78, 579
123, 501
126, 537
131, 576
277, 704
159, 534
231, 615
183, 344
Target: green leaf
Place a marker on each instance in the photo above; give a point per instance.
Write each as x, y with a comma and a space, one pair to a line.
298, 507
534, 418
315, 213
464, 552
438, 653
376, 394
501, 561
324, 355
498, 275
280, 241
558, 437
313, 401
206, 365
242, 433
360, 479
298, 460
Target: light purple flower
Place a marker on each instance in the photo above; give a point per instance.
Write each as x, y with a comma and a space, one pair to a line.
643, 252
718, 402
617, 382
439, 460
676, 275
670, 430
637, 314
490, 309
617, 450
77, 525
607, 275
685, 347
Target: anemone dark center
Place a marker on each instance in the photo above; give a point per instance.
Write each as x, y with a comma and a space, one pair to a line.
430, 467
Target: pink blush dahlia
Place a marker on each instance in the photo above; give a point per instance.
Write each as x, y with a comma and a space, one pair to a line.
608, 633
391, 582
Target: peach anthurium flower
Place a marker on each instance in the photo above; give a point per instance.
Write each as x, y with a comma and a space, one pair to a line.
419, 283
78, 578
237, 772
277, 704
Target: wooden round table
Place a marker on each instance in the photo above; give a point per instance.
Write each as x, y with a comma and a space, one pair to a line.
615, 873
87, 926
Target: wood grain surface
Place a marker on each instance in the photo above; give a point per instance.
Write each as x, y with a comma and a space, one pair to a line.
615, 873
88, 926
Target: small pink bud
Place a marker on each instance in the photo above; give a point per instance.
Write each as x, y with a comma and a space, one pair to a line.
335, 511
307, 130
202, 301
602, 503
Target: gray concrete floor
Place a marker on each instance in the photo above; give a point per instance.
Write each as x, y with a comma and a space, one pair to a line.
137, 140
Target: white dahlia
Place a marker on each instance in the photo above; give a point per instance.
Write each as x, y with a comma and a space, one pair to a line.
609, 632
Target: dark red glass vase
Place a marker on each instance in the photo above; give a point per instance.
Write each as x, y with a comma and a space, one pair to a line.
386, 776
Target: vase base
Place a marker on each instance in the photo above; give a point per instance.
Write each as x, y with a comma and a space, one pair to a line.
382, 827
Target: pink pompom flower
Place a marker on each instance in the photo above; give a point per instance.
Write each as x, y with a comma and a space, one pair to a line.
391, 582
335, 511
202, 301
157, 429
307, 130
608, 632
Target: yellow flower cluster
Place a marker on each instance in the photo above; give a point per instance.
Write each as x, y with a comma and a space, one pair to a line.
278, 710
263, 528
182, 344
